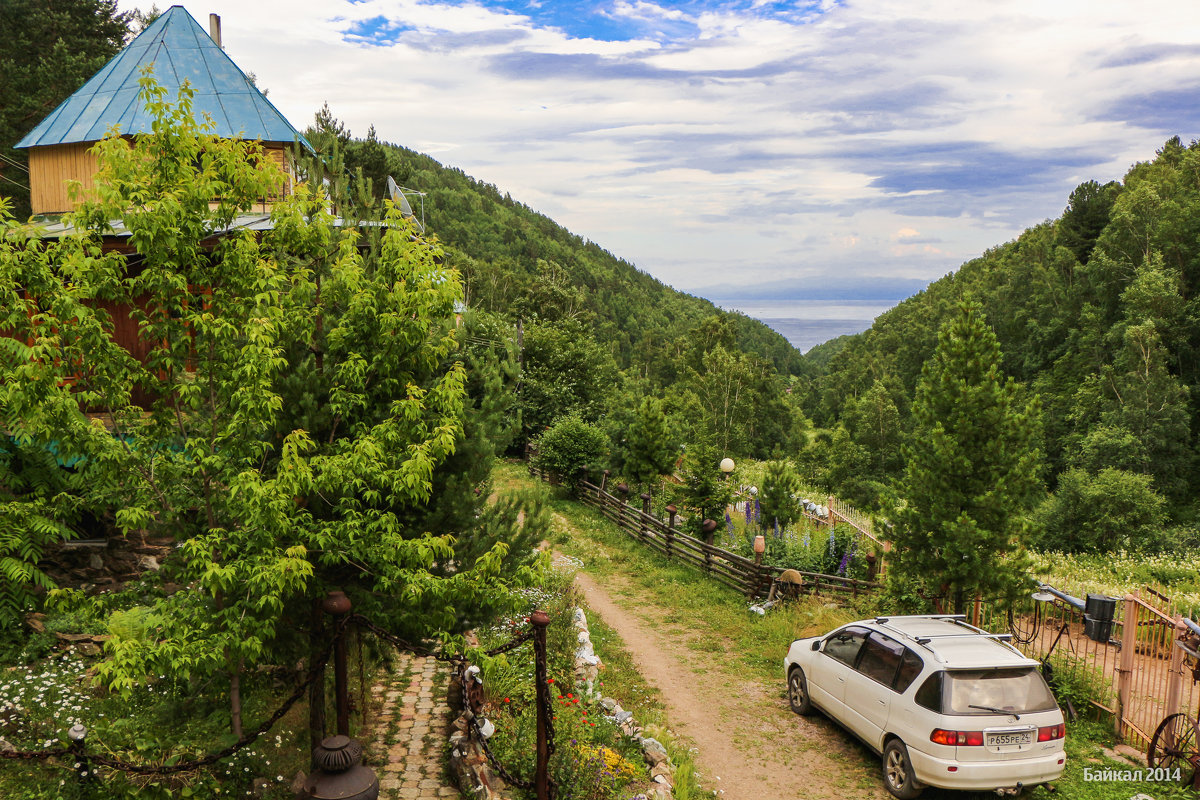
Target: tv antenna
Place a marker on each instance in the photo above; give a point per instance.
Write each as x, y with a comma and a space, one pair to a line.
399, 194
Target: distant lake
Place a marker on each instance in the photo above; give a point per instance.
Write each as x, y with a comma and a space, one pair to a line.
808, 323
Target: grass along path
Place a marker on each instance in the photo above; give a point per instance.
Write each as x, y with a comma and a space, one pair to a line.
713, 666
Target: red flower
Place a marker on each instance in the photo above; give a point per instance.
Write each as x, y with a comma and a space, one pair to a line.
507, 700
549, 680
570, 695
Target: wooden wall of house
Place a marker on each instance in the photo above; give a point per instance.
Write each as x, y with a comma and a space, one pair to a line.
50, 168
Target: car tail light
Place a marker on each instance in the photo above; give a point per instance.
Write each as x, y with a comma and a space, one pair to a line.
957, 738
1051, 732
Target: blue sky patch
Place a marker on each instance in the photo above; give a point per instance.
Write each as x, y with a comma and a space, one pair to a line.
378, 31
602, 19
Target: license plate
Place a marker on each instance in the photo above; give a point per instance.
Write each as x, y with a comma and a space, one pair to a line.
1003, 739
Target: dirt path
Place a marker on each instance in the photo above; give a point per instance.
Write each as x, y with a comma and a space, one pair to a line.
749, 745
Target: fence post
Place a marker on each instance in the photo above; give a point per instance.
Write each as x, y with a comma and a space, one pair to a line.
643, 525
1175, 671
1125, 670
623, 491
708, 527
336, 604
539, 620
670, 533
832, 516
603, 481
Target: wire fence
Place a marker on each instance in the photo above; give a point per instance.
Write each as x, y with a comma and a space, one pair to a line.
1138, 670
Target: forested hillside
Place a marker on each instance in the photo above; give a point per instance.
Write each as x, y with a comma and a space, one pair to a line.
514, 260
597, 336
1098, 314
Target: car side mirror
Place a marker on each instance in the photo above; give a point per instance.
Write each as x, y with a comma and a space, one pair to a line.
816, 645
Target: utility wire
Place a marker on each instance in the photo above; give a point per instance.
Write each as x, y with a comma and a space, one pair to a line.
18, 183
14, 163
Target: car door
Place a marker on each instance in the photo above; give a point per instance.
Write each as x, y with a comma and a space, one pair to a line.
833, 666
869, 687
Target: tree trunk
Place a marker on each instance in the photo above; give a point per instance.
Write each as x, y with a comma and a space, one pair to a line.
235, 698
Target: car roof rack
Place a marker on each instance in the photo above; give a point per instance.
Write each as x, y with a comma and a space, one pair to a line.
959, 620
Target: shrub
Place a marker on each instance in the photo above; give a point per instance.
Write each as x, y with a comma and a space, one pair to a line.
1112, 510
569, 447
1074, 681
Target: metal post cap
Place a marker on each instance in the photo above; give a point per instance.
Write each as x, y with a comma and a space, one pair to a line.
336, 603
77, 733
339, 776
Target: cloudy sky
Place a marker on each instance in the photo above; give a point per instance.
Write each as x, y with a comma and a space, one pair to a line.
748, 149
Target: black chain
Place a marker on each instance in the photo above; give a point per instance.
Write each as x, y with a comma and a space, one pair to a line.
314, 672
401, 643
487, 751
34, 755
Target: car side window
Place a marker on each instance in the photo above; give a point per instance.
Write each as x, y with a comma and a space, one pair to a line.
930, 693
910, 667
844, 645
881, 659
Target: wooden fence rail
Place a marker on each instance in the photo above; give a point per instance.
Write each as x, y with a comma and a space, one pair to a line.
737, 572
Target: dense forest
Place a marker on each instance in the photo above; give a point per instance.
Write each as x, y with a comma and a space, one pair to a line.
1097, 314
597, 336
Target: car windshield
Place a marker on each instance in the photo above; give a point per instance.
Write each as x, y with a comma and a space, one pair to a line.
1019, 691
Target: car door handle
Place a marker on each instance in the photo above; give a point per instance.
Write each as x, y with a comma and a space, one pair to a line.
882, 702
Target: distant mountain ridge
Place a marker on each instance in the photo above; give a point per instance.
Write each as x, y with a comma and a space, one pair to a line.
506, 251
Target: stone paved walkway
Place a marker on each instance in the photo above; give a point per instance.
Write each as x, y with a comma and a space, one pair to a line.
409, 734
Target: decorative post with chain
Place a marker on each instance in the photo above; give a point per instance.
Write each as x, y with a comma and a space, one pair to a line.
337, 605
539, 620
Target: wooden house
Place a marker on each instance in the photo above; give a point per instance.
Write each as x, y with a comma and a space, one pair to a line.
177, 49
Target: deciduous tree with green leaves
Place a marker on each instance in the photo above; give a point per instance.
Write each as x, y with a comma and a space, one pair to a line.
972, 470
274, 494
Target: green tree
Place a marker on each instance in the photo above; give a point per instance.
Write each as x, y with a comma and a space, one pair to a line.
50, 50
649, 448
1113, 509
1086, 216
705, 491
779, 495
564, 371
274, 495
972, 473
570, 447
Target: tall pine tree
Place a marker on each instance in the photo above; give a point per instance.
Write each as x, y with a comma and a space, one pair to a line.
972, 470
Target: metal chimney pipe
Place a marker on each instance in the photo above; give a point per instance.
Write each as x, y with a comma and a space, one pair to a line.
214, 28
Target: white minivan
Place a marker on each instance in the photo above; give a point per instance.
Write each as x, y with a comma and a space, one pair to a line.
945, 703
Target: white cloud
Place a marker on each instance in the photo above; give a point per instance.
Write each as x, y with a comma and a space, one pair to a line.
754, 143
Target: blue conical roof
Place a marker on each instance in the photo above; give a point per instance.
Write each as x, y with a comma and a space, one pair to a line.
179, 49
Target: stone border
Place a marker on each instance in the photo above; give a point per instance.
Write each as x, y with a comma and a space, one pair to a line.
587, 670
470, 765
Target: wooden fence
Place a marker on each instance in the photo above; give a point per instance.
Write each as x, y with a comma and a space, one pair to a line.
739, 573
1140, 674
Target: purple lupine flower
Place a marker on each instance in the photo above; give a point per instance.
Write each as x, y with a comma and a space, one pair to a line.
757, 511
778, 535
749, 514
842, 567
807, 538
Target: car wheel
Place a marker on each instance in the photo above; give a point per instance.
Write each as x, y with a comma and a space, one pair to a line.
898, 774
798, 692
